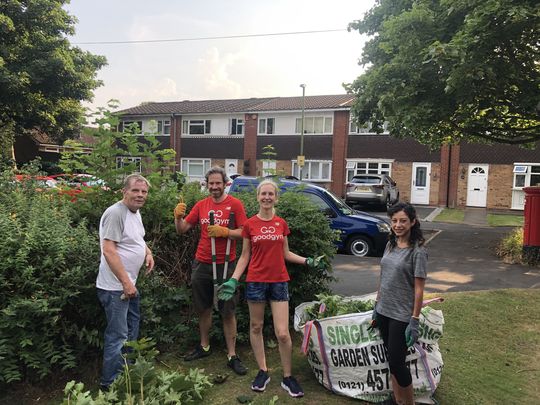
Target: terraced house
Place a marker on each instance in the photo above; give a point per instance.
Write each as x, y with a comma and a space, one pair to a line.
233, 133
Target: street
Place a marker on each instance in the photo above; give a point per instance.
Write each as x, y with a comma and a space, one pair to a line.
461, 258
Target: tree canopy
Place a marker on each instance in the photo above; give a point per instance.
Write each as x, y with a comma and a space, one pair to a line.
42, 77
445, 70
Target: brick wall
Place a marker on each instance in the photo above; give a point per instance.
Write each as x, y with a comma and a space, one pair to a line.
339, 151
401, 173
500, 181
250, 144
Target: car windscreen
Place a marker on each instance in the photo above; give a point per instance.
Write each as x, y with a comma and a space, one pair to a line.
341, 206
366, 180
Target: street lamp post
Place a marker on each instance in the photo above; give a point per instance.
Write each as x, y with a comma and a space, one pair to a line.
301, 159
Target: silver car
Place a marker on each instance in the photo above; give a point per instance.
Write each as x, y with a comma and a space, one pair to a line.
372, 188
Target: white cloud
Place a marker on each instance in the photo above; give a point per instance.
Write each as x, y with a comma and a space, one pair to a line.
214, 72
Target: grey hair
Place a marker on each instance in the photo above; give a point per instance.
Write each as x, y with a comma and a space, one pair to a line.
217, 170
132, 178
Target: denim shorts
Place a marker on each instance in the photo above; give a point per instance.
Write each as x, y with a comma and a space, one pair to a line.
262, 292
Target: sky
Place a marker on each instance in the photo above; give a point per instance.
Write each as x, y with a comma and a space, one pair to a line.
268, 66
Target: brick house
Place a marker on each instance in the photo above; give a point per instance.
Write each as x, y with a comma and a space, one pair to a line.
233, 133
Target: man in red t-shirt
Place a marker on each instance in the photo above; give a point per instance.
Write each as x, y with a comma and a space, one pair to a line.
202, 282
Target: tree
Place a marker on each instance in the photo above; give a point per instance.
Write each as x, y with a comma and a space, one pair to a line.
42, 77
445, 70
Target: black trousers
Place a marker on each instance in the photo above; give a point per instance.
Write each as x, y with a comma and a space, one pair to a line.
393, 335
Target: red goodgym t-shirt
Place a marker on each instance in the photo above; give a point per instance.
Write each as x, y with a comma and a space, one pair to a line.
199, 215
267, 262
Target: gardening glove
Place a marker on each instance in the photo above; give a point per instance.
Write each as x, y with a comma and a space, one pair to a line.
218, 231
180, 210
374, 318
227, 289
411, 333
317, 263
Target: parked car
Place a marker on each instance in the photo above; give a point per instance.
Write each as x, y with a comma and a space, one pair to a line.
372, 188
361, 234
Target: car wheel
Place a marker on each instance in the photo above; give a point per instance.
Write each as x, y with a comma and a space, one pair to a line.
359, 245
389, 202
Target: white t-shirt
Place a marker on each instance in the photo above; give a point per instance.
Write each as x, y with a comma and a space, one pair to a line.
124, 227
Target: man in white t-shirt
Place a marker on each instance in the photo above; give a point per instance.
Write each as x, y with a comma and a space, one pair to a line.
123, 252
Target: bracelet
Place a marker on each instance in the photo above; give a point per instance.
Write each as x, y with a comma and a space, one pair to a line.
415, 317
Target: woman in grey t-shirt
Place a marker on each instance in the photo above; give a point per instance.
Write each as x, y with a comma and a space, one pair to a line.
400, 295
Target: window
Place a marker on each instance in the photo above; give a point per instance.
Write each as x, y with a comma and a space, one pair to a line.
266, 126
237, 126
313, 170
526, 175
268, 168
164, 127
195, 169
355, 128
314, 125
124, 161
368, 167
132, 127
196, 127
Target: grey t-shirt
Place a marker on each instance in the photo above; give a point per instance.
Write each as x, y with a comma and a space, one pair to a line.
399, 267
125, 228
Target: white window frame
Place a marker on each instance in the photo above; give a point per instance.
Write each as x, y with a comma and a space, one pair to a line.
264, 126
269, 167
525, 171
187, 125
185, 165
130, 122
163, 127
308, 170
122, 161
356, 129
309, 125
236, 126
368, 166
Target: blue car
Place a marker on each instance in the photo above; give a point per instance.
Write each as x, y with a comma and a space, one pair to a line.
361, 234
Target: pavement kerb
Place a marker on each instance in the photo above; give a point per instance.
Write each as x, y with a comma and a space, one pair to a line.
433, 214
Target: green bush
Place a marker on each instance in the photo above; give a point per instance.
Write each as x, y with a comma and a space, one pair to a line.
47, 277
510, 249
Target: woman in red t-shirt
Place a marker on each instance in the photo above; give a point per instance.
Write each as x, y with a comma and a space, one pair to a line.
265, 241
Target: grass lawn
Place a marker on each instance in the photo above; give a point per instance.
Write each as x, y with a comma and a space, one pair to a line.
450, 215
490, 347
504, 220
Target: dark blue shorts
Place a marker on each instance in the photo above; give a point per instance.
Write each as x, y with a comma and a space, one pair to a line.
263, 292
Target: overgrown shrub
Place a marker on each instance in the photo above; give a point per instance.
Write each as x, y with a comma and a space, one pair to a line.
47, 285
510, 248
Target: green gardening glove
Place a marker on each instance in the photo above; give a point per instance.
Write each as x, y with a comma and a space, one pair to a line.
227, 289
317, 263
374, 318
411, 332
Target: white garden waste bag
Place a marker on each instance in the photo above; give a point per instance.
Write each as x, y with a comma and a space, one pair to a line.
349, 360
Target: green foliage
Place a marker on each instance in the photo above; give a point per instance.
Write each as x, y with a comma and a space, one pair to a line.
510, 249
43, 77
142, 383
334, 305
47, 284
441, 71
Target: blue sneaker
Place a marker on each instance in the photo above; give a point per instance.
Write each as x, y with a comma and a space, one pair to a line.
261, 381
290, 385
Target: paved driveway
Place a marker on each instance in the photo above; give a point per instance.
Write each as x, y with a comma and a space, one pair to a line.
461, 258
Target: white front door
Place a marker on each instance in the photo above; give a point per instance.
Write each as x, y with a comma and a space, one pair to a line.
231, 166
421, 177
477, 185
